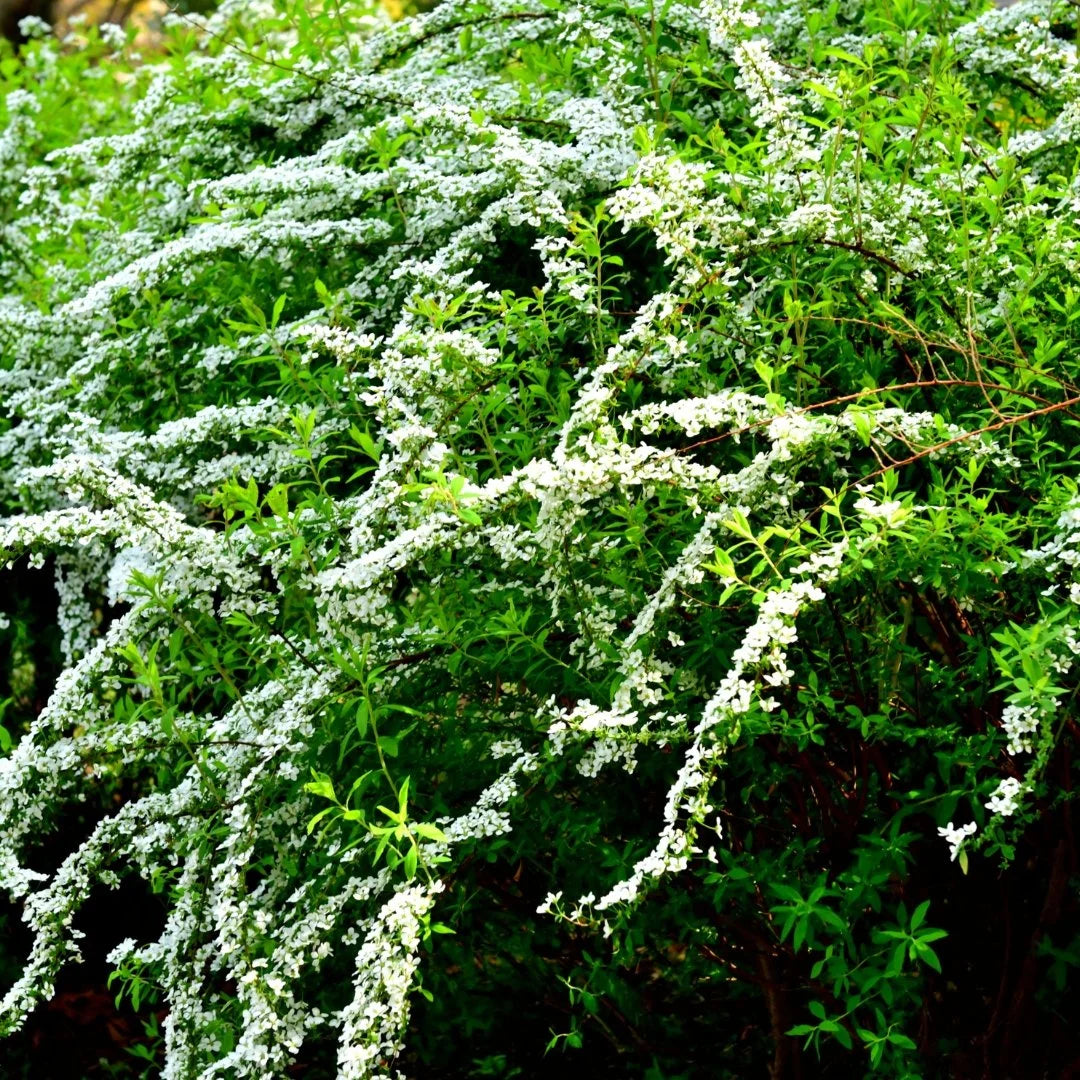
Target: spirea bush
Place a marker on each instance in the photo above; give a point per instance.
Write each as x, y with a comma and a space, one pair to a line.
565, 532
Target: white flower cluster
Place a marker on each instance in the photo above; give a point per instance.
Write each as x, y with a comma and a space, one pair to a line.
385, 967
889, 511
761, 652
110, 490
1006, 797
487, 817
955, 836
401, 165
1020, 724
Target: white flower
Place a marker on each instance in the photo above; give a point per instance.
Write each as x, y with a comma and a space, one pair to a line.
891, 512
955, 837
1006, 797
1020, 723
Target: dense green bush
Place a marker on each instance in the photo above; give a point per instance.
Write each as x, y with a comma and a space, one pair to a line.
565, 527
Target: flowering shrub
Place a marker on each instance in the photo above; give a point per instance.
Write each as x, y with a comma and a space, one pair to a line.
563, 519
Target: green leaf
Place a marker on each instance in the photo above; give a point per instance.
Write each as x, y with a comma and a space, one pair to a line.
928, 956
933, 935
313, 823
919, 914
739, 525
277, 498
429, 832
321, 785
896, 962
801, 928
279, 306
359, 783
